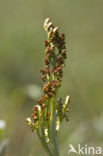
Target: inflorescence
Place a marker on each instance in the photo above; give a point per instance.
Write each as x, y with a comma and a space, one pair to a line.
52, 73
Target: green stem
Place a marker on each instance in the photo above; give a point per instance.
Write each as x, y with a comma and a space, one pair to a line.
53, 135
45, 146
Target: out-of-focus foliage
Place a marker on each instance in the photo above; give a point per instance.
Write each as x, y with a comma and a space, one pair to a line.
21, 56
2, 127
3, 147
3, 143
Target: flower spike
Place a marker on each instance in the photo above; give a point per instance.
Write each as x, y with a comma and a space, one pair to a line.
48, 114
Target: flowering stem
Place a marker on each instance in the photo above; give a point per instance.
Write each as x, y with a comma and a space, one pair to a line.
49, 112
53, 135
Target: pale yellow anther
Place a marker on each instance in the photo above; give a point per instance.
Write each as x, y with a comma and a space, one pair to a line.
47, 20
57, 126
46, 23
55, 29
29, 122
49, 25
67, 100
46, 132
46, 135
39, 108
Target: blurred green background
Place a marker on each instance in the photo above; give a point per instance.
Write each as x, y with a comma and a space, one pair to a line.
21, 56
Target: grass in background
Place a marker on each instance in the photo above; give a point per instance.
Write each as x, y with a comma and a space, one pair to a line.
21, 52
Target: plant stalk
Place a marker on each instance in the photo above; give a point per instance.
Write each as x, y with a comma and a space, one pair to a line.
53, 135
45, 146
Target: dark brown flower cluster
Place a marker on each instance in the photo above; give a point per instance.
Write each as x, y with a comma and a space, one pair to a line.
36, 115
63, 108
55, 56
51, 87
